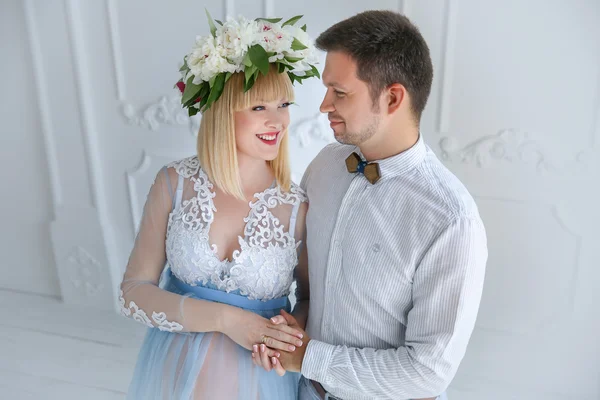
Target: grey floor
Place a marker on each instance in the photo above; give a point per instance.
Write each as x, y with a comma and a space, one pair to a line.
51, 351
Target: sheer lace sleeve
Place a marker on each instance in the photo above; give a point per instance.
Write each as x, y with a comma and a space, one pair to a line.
140, 297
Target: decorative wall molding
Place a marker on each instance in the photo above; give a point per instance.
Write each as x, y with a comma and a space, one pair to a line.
567, 226
90, 137
595, 131
115, 44
312, 128
84, 97
449, 42
403, 7
85, 272
228, 8
509, 145
269, 8
166, 110
43, 103
134, 200
140, 178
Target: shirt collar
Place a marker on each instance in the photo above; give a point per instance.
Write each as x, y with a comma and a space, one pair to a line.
403, 162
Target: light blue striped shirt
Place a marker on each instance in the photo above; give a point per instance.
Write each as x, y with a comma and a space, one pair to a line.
396, 274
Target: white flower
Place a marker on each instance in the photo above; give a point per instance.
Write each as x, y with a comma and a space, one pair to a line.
211, 56
234, 37
276, 57
214, 65
272, 37
308, 55
203, 48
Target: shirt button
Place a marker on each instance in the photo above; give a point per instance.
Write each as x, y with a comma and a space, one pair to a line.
336, 243
376, 248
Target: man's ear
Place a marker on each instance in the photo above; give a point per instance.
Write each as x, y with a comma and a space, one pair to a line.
397, 96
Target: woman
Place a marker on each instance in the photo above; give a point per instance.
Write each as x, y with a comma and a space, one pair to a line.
228, 223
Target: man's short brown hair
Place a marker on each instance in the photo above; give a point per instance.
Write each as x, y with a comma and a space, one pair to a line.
388, 49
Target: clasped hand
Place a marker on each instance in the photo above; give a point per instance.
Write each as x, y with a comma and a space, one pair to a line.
268, 357
247, 329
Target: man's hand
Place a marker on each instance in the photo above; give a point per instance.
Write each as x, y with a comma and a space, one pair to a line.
290, 361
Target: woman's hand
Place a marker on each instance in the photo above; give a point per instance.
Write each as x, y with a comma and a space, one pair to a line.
269, 359
247, 329
266, 358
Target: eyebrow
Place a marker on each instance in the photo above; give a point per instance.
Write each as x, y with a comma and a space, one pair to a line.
331, 84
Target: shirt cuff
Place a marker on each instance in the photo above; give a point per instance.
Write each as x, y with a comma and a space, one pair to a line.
316, 360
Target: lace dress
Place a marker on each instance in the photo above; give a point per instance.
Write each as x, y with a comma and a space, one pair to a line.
176, 362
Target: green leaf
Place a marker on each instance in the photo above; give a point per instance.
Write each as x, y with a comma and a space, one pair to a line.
247, 62
211, 81
259, 57
286, 65
315, 71
293, 59
251, 80
227, 76
249, 83
298, 45
202, 103
216, 90
292, 20
304, 28
203, 95
219, 22
184, 67
190, 93
249, 72
280, 67
271, 20
192, 111
211, 23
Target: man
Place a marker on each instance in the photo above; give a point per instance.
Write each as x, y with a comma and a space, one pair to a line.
396, 247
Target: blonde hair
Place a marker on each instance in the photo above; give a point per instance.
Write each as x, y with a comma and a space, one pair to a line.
217, 149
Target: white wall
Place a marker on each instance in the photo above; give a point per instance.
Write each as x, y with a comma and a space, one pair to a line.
514, 112
26, 206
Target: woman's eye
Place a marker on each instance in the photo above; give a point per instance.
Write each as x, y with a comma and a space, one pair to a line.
339, 94
258, 108
286, 105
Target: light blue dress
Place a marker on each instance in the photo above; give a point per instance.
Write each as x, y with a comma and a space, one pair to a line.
174, 364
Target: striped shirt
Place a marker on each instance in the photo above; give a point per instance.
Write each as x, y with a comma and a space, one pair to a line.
396, 274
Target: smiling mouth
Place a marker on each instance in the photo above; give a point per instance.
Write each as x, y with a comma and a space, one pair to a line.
268, 138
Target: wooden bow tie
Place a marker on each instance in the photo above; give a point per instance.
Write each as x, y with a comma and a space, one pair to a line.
370, 170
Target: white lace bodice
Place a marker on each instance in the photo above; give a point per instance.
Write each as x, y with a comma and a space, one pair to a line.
263, 266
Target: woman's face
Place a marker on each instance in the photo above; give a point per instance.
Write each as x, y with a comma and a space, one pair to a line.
259, 129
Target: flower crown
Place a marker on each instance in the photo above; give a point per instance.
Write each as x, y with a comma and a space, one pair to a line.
242, 45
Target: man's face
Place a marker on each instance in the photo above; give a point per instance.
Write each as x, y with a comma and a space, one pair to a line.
352, 115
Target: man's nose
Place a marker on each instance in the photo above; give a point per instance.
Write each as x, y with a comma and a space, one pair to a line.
327, 104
